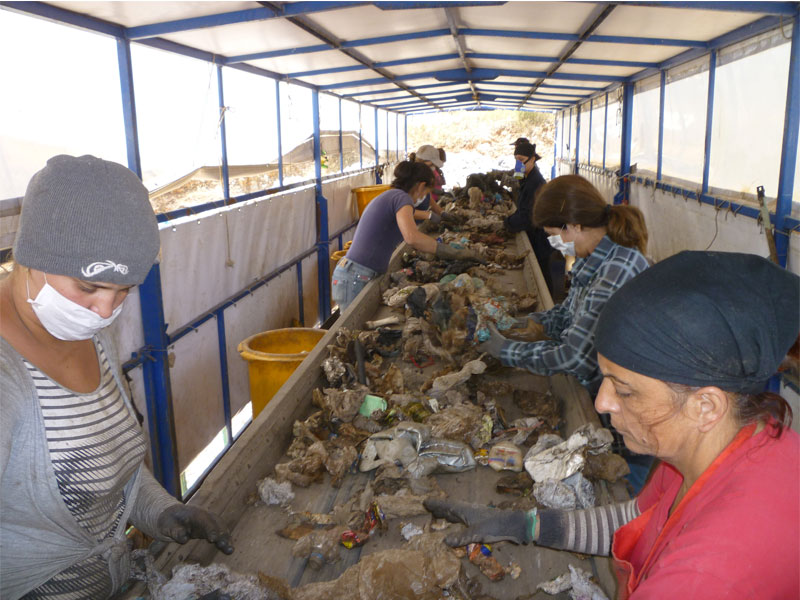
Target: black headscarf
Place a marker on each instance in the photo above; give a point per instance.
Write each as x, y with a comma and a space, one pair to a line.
704, 318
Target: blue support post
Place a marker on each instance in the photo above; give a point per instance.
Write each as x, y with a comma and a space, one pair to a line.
405, 135
129, 106
360, 149
223, 370
589, 145
280, 144
226, 190
564, 144
625, 147
555, 148
158, 391
569, 135
341, 147
388, 150
712, 72
396, 137
377, 153
605, 130
577, 138
323, 262
300, 307
791, 125
661, 124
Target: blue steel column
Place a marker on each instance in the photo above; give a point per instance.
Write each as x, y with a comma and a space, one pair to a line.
323, 262
226, 190
605, 131
625, 146
158, 389
555, 148
280, 144
388, 150
341, 151
563, 131
155, 369
791, 124
712, 73
577, 138
589, 144
405, 135
223, 371
569, 134
660, 154
377, 153
300, 307
360, 149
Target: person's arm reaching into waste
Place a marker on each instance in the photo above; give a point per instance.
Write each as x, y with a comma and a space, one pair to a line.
419, 241
587, 531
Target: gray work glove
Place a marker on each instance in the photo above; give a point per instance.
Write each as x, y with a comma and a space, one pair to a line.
483, 524
447, 252
434, 218
182, 523
494, 344
449, 219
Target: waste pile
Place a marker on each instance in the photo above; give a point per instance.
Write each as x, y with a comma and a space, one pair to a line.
411, 397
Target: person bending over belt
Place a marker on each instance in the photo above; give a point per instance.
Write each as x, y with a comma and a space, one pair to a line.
686, 349
388, 220
71, 451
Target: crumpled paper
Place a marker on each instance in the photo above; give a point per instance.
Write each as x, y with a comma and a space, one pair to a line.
563, 459
577, 581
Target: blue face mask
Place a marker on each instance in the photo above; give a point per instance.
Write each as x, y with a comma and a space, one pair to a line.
519, 170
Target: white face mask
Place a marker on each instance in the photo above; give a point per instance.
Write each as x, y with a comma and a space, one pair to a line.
420, 200
566, 248
65, 319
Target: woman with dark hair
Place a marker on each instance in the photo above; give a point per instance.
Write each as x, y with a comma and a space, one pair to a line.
428, 208
687, 349
608, 242
388, 220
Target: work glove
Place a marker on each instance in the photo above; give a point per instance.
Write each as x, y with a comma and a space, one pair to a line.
484, 524
182, 523
449, 218
447, 252
494, 344
434, 218
528, 329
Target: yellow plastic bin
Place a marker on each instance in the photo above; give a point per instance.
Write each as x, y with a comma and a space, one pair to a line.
364, 195
272, 356
336, 257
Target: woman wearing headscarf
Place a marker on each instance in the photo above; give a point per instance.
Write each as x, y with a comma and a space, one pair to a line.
522, 219
388, 220
687, 349
71, 451
609, 242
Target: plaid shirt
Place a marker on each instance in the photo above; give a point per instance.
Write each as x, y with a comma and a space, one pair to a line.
571, 324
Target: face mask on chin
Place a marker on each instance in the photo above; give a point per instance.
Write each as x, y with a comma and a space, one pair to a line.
566, 248
421, 199
63, 318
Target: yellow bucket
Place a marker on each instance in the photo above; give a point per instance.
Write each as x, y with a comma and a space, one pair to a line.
272, 356
336, 257
364, 195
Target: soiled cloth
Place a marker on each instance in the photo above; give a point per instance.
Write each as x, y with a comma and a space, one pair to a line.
704, 318
39, 537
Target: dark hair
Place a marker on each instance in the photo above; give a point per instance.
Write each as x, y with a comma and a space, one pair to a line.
748, 408
408, 173
442, 155
571, 199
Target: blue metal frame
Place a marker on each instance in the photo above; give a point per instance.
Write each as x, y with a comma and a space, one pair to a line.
226, 189
589, 145
300, 307
712, 72
577, 138
129, 106
605, 130
377, 154
360, 141
625, 147
323, 262
405, 144
280, 142
341, 148
661, 98
223, 366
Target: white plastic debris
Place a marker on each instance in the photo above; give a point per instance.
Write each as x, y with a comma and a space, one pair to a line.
574, 492
272, 492
562, 460
194, 581
445, 382
409, 530
579, 584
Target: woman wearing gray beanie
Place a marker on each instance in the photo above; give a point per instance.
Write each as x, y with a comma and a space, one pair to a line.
71, 451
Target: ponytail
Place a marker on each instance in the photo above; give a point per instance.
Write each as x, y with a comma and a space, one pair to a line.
408, 173
571, 199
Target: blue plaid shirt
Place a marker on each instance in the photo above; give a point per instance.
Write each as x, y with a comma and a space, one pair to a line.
571, 324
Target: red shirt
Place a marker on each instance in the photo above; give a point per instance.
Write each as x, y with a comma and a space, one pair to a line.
736, 533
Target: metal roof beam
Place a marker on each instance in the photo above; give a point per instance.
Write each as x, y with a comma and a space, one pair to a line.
451, 22
577, 61
59, 15
571, 37
583, 36
325, 37
413, 5
395, 90
390, 63
240, 16
767, 8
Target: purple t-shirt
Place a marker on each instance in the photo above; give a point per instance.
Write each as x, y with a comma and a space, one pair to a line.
378, 234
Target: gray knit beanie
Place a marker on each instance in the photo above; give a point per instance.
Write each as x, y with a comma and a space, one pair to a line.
87, 218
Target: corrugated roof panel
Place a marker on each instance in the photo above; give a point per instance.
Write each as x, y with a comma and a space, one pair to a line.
134, 14
409, 49
313, 61
515, 65
628, 52
558, 17
428, 67
514, 46
598, 70
365, 21
244, 38
671, 23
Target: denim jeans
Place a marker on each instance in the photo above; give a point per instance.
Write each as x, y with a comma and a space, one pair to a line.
349, 278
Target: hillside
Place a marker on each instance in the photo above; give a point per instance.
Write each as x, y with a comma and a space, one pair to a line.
481, 141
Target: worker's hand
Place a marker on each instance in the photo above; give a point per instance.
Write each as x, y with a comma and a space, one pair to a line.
494, 344
434, 218
449, 218
183, 523
483, 524
447, 252
528, 330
